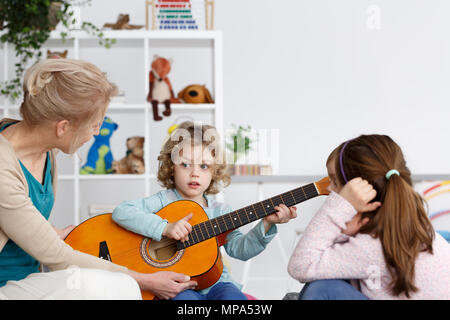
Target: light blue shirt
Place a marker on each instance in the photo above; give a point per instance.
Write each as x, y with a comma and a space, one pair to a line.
138, 216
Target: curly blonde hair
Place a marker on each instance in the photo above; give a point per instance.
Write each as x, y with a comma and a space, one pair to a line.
193, 134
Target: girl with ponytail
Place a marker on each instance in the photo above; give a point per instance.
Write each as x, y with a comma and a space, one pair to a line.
372, 231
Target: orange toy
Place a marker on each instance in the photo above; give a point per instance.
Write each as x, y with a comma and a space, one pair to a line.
160, 87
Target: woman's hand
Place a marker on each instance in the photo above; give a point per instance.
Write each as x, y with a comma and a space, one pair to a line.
283, 215
359, 193
62, 233
163, 284
179, 230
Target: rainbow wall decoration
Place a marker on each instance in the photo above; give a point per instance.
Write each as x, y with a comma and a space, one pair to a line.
437, 196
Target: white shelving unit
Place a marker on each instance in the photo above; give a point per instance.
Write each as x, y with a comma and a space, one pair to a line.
144, 40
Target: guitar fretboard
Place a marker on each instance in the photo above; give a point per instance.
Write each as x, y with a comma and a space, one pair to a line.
235, 219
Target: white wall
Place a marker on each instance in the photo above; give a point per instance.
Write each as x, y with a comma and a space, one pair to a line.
316, 71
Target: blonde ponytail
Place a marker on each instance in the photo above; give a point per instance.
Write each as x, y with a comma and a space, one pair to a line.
64, 89
37, 81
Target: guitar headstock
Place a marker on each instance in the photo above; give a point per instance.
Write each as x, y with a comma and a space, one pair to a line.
322, 186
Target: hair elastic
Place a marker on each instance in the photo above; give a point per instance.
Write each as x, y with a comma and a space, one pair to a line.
340, 161
391, 172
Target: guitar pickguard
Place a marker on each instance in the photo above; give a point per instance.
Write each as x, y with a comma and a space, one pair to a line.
103, 251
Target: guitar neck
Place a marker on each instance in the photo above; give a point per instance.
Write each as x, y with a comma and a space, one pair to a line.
235, 219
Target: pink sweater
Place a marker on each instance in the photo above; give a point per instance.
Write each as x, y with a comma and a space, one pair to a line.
324, 252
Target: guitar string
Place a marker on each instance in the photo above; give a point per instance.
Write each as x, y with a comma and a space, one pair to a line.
307, 194
136, 251
132, 251
258, 211
259, 214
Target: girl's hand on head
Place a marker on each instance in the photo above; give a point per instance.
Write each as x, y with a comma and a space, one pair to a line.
179, 230
282, 215
359, 193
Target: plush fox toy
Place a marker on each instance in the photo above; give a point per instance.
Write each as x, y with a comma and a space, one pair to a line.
160, 87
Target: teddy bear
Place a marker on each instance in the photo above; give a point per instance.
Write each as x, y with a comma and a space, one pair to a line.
160, 87
100, 158
195, 93
133, 162
129, 164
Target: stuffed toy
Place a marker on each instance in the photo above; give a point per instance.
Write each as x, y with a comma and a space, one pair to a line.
135, 146
160, 87
122, 23
133, 162
100, 158
129, 164
195, 93
56, 54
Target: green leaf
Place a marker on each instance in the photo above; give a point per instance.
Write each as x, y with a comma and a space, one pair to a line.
27, 29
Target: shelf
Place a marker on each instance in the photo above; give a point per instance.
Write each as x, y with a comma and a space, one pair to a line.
129, 106
275, 179
138, 108
105, 176
140, 34
126, 106
238, 179
174, 106
313, 178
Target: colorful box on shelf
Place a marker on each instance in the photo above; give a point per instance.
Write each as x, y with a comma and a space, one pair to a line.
180, 14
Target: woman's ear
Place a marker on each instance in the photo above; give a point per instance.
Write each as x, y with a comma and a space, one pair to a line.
61, 128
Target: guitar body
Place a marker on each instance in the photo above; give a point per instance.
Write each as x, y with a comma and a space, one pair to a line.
100, 236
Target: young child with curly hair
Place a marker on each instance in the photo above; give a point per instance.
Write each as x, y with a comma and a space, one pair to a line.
192, 167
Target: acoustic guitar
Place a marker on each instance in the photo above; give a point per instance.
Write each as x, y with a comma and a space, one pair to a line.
199, 257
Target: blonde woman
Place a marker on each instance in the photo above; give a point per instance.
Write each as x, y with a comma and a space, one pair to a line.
64, 104
192, 167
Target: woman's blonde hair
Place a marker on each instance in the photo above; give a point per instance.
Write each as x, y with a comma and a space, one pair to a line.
401, 223
65, 89
186, 135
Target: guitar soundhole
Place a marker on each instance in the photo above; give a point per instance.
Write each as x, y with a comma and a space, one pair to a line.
160, 254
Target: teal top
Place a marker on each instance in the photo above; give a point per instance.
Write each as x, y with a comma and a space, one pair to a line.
16, 264
138, 216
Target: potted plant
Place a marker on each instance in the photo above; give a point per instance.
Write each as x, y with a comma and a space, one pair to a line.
240, 142
27, 25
